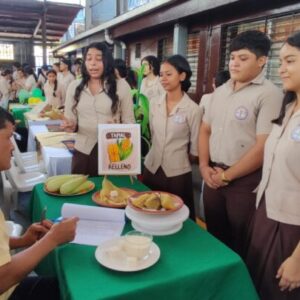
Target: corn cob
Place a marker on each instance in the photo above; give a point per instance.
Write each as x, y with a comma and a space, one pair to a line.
86, 186
54, 183
126, 144
68, 187
113, 152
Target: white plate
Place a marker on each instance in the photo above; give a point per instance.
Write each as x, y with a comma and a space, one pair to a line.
153, 231
119, 263
158, 224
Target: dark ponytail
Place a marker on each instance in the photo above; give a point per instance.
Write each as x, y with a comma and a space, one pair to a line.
289, 97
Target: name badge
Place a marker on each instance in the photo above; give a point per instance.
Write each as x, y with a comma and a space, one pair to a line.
296, 134
241, 113
179, 118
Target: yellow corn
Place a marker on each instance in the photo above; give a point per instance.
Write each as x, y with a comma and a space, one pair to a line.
68, 187
126, 144
84, 187
113, 153
54, 183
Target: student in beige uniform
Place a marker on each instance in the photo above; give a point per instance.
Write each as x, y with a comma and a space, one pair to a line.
39, 240
53, 90
19, 83
42, 76
65, 77
232, 137
5, 88
275, 244
98, 98
31, 79
174, 124
220, 78
151, 86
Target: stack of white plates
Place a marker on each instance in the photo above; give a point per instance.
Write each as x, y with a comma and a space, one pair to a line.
157, 224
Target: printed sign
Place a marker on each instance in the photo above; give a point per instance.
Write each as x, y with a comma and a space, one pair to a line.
119, 149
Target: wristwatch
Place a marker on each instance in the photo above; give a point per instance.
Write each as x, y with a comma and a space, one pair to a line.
224, 179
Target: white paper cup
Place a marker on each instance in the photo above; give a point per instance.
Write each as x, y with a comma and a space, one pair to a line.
137, 244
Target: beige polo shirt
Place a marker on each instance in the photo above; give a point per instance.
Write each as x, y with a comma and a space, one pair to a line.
281, 171
4, 252
64, 81
30, 83
4, 89
204, 103
152, 89
237, 117
50, 99
171, 136
93, 110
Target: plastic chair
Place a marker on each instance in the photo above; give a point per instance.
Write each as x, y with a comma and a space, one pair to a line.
7, 195
13, 229
27, 162
23, 182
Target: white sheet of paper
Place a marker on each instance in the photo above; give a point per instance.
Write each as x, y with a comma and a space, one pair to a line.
96, 224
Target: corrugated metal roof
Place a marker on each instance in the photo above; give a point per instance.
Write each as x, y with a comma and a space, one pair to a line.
23, 18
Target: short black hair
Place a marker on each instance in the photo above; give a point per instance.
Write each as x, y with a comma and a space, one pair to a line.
16, 64
182, 66
120, 65
221, 77
6, 72
254, 40
5, 117
78, 61
66, 62
153, 62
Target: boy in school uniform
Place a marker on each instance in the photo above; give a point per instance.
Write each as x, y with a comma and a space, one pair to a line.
232, 137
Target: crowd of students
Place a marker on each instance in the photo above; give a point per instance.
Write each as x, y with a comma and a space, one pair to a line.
246, 135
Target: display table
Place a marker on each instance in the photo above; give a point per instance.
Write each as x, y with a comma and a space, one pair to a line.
193, 264
57, 158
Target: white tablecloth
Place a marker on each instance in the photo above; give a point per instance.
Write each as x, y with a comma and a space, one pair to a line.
35, 127
57, 160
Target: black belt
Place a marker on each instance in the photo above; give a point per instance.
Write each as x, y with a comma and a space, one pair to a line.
219, 165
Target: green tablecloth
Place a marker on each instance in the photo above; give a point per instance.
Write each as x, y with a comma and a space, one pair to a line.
193, 264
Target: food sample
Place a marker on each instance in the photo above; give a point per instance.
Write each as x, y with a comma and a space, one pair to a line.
155, 201
111, 194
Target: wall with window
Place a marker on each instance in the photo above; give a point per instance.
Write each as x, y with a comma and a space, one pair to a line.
278, 29
16, 50
159, 45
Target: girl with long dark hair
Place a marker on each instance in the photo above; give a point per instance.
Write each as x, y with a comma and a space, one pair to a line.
274, 252
53, 92
95, 99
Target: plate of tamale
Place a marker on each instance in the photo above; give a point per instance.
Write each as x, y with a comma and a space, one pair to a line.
155, 202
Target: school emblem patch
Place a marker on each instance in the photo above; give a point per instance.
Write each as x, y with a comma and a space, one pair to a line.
241, 113
296, 134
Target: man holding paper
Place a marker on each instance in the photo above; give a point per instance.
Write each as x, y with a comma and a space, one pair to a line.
39, 239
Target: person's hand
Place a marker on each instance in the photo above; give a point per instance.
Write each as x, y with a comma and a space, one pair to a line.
68, 125
289, 274
63, 232
217, 177
42, 114
207, 174
34, 232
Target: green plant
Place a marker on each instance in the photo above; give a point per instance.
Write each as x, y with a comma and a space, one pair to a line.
141, 108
